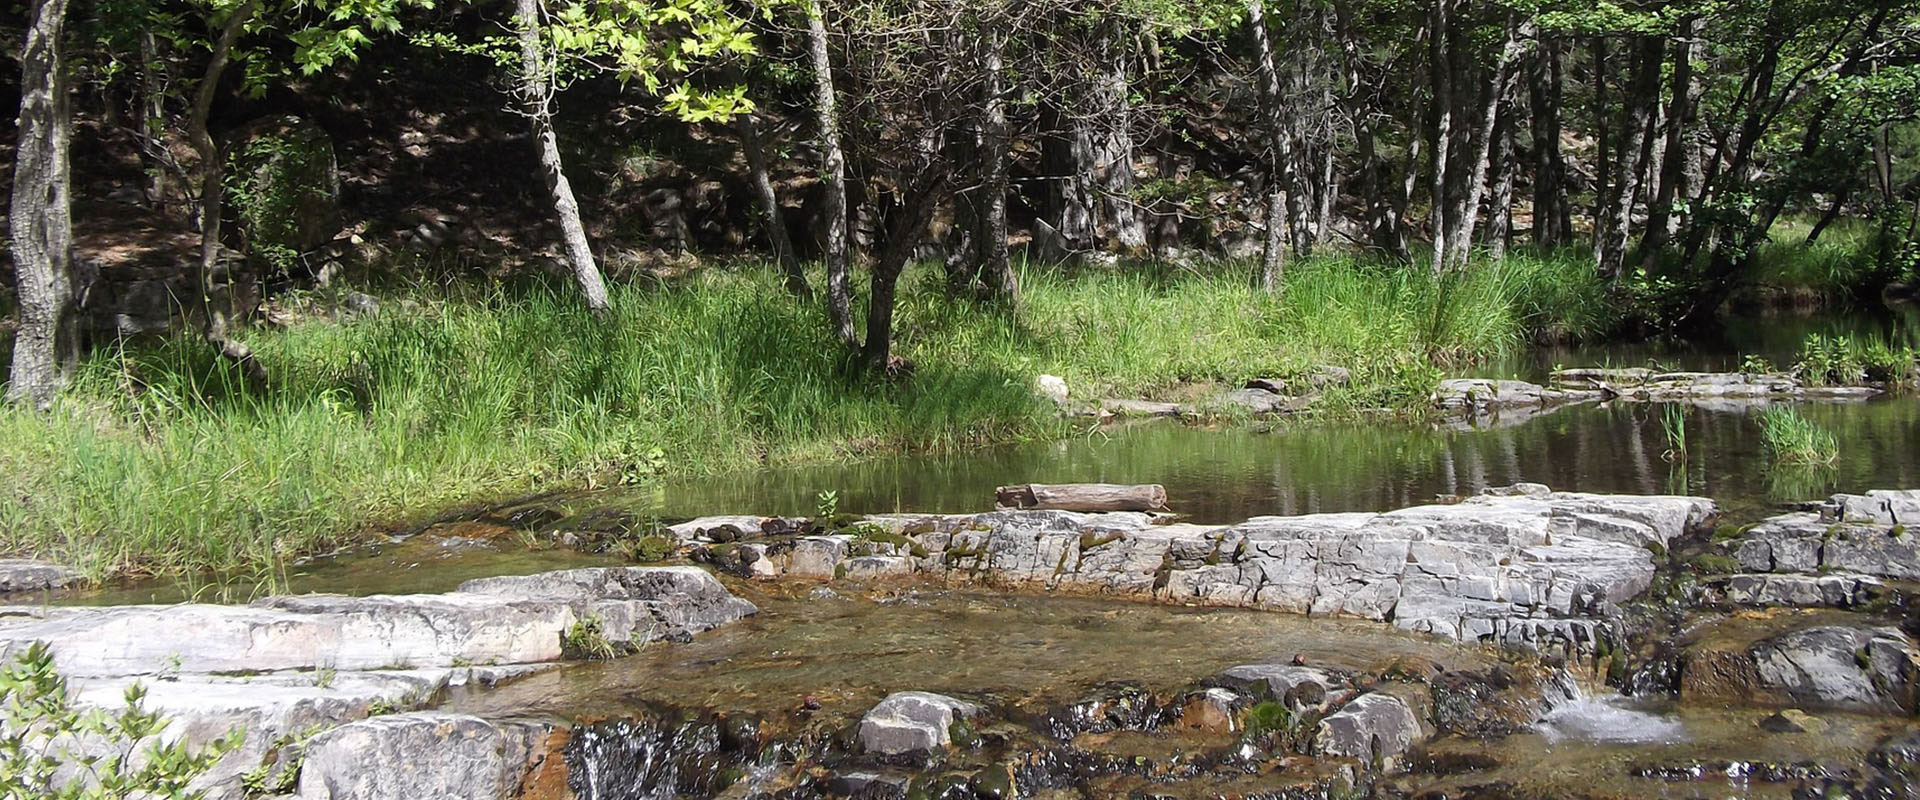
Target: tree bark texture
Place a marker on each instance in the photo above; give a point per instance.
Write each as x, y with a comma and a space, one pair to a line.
536, 93
40, 216
833, 180
771, 216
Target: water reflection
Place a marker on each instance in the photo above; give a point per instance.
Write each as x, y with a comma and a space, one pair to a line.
1228, 474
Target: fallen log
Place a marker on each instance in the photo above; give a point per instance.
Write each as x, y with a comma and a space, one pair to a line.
1082, 497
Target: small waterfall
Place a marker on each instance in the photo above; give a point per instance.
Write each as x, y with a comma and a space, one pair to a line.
1608, 718
660, 756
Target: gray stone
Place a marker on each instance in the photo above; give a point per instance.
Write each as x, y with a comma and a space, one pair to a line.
422, 756
1296, 686
912, 722
817, 556
1841, 667
24, 575
1374, 728
1799, 591
1141, 408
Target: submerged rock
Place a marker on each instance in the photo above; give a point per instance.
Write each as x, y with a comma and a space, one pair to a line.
912, 722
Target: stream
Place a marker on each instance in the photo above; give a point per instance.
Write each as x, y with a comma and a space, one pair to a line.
731, 713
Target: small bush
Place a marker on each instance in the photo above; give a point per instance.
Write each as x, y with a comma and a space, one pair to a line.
39, 725
587, 639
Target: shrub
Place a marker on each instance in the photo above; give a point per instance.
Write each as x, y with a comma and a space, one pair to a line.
40, 728
1794, 439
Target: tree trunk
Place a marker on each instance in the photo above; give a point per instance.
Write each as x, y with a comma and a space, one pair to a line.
1126, 227
1672, 181
1272, 251
904, 232
996, 268
773, 219
1082, 497
1833, 212
1643, 93
537, 74
40, 217
218, 323
1466, 210
1552, 211
1603, 144
833, 180
1442, 116
1500, 198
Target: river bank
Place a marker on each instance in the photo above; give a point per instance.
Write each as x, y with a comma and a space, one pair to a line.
957, 656
438, 398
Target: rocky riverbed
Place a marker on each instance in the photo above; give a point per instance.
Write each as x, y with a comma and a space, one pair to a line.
1433, 651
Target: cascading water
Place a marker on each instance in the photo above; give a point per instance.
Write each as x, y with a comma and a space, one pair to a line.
1608, 718
660, 756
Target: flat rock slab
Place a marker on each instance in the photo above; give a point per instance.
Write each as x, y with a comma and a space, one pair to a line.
512, 620
1876, 534
1825, 659
1525, 566
25, 575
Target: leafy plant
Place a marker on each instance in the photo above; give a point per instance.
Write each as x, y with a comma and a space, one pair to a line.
1268, 717
826, 505
1828, 361
648, 548
1751, 364
587, 639
43, 733
1794, 439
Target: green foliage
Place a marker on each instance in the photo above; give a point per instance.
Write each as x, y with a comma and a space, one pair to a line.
826, 505
1714, 564
41, 729
1793, 439
587, 639
648, 549
385, 418
1268, 717
1828, 361
273, 180
1751, 364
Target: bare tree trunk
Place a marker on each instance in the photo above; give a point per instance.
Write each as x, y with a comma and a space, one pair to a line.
40, 217
1552, 212
1833, 212
1273, 249
904, 232
1603, 143
152, 121
1500, 197
218, 324
996, 269
1113, 154
1442, 75
833, 179
1674, 161
1643, 93
1466, 211
536, 92
773, 219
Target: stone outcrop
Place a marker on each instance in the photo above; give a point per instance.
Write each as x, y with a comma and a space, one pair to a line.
287, 666
912, 723
1875, 534
1850, 665
428, 755
1526, 566
25, 575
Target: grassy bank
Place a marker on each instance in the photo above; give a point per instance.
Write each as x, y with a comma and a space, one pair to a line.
162, 461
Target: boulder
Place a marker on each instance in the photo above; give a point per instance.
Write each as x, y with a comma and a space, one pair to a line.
1297, 687
1831, 664
1051, 387
1375, 728
25, 575
912, 722
1841, 667
422, 756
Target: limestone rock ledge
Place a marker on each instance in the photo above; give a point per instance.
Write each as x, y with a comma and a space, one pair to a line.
288, 669
1522, 565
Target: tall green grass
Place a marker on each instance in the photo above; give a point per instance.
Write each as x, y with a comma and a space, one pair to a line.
161, 460
1794, 439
